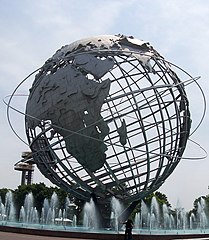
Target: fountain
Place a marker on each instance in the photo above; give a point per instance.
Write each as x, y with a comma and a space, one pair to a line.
162, 217
9, 207
149, 217
202, 218
90, 218
2, 211
153, 218
116, 210
168, 218
154, 213
28, 214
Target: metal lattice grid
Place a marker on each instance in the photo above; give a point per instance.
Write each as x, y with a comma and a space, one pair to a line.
153, 105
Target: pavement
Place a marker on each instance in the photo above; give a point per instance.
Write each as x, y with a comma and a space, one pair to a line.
19, 236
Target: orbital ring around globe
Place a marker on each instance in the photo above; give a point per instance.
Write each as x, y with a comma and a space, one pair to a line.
186, 82
119, 130
9, 106
70, 132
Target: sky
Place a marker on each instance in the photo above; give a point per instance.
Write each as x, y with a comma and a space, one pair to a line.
32, 31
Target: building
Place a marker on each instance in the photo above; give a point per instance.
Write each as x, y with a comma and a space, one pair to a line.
26, 166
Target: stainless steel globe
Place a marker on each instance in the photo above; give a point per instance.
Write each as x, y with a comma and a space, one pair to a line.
107, 115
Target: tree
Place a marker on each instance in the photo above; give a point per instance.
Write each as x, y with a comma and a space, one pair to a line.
40, 191
3, 193
162, 199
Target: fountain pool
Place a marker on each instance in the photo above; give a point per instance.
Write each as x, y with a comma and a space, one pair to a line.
149, 220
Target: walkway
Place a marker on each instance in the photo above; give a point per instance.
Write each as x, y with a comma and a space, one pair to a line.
18, 236
9, 233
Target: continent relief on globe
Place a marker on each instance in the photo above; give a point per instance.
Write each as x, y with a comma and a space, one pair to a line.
72, 103
70, 94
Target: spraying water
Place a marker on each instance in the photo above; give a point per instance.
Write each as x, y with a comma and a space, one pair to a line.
10, 211
116, 210
90, 218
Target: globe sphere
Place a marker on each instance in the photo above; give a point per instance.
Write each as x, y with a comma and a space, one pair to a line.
107, 116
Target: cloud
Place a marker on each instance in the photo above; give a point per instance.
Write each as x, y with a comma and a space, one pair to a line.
75, 18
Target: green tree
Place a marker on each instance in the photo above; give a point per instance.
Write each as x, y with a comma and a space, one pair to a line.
40, 192
3, 193
161, 199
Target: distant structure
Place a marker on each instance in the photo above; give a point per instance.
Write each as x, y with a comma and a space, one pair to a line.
26, 166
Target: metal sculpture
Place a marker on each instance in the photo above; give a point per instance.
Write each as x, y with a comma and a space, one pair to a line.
108, 116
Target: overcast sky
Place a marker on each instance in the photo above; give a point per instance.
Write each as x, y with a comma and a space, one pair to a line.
31, 31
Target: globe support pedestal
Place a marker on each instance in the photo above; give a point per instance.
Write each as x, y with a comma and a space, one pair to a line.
127, 212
